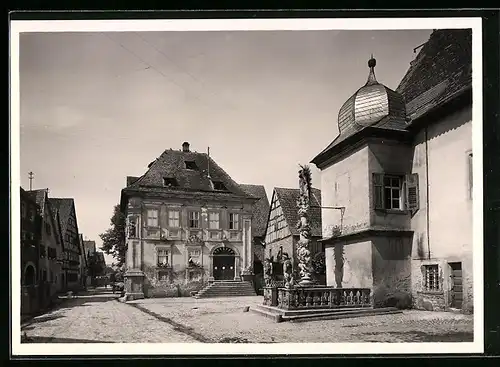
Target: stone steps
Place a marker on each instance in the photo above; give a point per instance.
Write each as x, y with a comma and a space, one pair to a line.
230, 288
279, 315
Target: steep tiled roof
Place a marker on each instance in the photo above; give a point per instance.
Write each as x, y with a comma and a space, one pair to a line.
260, 208
64, 206
441, 71
288, 201
171, 165
28, 196
38, 196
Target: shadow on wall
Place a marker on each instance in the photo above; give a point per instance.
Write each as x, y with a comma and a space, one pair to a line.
338, 254
392, 273
421, 253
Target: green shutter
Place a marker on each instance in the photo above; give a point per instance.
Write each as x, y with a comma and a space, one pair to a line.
412, 202
378, 190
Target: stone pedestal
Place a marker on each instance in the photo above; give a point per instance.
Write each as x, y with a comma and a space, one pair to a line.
270, 296
134, 284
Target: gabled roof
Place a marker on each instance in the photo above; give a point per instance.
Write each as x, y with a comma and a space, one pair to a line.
29, 197
38, 196
260, 208
441, 71
288, 201
64, 206
171, 165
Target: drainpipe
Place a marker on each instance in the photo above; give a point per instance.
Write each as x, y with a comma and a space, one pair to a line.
427, 192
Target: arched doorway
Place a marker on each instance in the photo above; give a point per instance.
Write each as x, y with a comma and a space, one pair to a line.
223, 264
29, 275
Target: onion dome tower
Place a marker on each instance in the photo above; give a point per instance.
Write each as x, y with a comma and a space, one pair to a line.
371, 104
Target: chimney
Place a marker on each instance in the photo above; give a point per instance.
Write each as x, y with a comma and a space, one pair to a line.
185, 146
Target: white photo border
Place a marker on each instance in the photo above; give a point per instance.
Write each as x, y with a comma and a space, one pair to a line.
474, 23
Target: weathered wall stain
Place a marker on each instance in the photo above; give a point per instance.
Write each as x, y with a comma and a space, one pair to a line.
338, 254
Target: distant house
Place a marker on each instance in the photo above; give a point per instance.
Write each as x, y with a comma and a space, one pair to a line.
260, 211
51, 247
282, 234
84, 263
187, 220
71, 241
89, 247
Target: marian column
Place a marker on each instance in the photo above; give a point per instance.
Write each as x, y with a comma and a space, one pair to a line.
303, 252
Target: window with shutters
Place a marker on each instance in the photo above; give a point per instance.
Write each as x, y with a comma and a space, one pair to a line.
173, 218
395, 192
431, 280
152, 218
213, 220
194, 220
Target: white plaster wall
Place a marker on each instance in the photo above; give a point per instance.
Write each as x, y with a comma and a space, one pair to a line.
345, 183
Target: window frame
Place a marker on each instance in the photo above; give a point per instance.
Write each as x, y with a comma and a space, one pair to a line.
408, 192
431, 271
195, 213
170, 219
237, 221
166, 256
194, 166
170, 182
157, 218
210, 221
392, 188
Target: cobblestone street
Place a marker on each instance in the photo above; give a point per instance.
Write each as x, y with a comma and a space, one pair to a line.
99, 317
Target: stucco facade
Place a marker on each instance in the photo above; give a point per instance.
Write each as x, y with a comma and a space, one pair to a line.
443, 225
149, 245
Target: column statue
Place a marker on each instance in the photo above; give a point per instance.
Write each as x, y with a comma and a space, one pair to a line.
303, 203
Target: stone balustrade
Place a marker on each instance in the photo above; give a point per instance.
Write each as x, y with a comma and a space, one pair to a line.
316, 297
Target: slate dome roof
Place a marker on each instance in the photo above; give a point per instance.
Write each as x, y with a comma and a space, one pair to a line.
370, 104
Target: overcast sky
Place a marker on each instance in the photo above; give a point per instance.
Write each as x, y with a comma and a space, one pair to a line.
96, 107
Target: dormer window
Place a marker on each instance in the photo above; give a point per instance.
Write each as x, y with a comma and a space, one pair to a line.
219, 186
170, 182
191, 165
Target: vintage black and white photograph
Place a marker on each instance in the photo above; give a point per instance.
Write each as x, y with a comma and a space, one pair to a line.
247, 184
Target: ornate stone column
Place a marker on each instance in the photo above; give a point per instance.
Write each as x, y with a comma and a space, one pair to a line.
303, 251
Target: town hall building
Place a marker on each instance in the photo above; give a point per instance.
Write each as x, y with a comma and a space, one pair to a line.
400, 170
187, 221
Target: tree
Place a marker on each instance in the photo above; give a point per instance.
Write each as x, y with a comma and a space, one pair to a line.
113, 240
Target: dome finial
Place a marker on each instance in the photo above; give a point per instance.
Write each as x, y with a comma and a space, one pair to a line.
371, 76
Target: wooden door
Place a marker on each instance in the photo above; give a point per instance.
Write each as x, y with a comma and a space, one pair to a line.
456, 292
